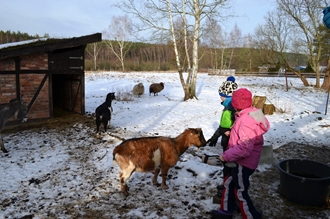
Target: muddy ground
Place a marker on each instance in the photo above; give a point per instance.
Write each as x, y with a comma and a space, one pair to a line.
264, 189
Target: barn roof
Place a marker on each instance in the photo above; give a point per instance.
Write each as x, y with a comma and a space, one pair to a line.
45, 44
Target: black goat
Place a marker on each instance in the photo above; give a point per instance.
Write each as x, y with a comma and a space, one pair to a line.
104, 111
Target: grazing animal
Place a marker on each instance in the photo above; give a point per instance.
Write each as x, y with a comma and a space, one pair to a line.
156, 88
157, 154
104, 111
138, 89
15, 107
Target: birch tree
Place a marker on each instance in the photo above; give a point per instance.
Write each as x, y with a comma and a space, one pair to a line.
159, 16
93, 50
118, 36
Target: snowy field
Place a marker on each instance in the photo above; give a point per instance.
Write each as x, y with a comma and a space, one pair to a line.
65, 170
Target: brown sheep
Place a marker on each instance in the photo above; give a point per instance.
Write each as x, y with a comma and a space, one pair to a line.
157, 154
156, 88
138, 89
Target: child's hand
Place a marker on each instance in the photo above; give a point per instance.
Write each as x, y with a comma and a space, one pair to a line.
221, 158
227, 133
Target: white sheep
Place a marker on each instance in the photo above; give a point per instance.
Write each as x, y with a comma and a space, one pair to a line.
138, 89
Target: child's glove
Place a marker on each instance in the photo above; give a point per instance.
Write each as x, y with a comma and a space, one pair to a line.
231, 164
214, 139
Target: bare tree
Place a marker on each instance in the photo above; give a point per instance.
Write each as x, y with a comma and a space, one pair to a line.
93, 50
212, 39
118, 35
306, 16
276, 36
247, 56
235, 41
159, 15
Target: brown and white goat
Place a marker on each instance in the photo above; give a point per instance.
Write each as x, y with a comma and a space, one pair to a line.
157, 154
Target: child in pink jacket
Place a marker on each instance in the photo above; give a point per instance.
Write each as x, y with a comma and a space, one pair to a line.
244, 148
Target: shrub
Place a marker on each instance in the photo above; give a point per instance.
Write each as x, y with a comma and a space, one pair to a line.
124, 94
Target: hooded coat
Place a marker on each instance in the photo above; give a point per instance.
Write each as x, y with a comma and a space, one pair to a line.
246, 138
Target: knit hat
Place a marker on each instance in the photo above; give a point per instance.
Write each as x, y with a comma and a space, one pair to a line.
231, 78
227, 88
242, 98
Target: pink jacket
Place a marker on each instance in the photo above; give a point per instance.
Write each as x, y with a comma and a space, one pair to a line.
246, 138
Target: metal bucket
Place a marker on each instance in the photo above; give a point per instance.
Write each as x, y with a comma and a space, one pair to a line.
304, 182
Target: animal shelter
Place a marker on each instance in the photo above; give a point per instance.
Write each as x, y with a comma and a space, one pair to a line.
48, 73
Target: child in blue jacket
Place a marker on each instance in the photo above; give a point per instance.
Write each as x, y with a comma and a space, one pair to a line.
228, 114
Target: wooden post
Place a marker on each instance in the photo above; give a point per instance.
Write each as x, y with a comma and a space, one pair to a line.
286, 79
326, 105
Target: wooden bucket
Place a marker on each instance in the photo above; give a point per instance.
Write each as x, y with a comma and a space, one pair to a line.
268, 109
259, 101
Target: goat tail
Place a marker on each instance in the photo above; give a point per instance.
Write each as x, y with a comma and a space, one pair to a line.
98, 116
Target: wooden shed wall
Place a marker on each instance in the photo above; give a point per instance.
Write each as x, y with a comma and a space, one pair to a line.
67, 92
49, 74
29, 84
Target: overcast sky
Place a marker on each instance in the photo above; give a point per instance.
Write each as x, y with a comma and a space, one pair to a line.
73, 18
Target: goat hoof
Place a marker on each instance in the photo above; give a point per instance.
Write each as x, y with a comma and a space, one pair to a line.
164, 186
124, 189
156, 183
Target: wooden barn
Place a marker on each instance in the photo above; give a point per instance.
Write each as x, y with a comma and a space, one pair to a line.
49, 73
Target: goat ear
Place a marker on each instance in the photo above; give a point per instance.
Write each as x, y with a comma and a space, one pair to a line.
198, 130
194, 131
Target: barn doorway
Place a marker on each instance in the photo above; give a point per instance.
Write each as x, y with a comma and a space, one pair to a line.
67, 93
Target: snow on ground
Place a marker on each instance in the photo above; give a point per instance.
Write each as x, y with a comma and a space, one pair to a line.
65, 171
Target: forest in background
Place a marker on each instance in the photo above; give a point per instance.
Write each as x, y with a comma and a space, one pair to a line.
12, 36
160, 57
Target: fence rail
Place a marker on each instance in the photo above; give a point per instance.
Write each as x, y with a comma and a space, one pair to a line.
276, 74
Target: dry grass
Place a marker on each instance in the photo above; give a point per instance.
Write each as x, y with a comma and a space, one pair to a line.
282, 106
124, 94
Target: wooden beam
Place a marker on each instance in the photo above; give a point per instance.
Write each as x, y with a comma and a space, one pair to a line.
37, 92
72, 71
18, 83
